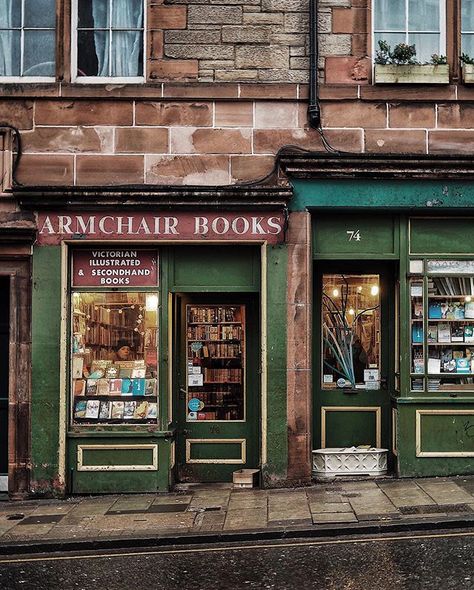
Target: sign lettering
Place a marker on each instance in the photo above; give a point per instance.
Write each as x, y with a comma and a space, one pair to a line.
55, 227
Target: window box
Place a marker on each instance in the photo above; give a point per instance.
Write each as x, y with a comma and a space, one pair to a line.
468, 73
411, 74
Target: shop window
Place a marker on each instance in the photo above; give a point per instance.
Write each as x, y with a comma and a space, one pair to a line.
215, 344
108, 40
27, 40
351, 331
442, 327
415, 22
114, 338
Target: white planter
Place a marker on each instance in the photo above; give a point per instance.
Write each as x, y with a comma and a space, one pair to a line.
349, 461
414, 74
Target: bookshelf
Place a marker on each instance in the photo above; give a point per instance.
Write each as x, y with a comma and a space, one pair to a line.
442, 333
215, 362
109, 386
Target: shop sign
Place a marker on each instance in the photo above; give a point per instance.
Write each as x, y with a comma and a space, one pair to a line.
114, 267
55, 227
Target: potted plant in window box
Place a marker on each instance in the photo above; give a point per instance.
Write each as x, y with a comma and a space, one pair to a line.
401, 67
467, 67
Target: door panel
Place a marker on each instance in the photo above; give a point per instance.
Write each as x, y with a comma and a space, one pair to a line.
216, 385
353, 354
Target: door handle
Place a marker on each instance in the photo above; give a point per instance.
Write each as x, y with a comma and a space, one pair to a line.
182, 393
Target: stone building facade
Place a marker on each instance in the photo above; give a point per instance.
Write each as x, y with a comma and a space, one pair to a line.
226, 88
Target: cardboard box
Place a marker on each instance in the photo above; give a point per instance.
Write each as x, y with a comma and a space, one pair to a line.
245, 478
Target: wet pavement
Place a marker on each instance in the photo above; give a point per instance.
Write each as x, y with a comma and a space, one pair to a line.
434, 561
219, 509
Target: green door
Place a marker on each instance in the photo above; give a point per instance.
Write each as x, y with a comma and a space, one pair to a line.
4, 379
217, 385
354, 348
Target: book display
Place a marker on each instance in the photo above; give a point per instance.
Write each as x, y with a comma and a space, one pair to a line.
215, 359
446, 315
114, 357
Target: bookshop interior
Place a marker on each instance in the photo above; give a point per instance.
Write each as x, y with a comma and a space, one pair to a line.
442, 326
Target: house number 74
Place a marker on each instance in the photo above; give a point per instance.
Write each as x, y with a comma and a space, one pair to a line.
354, 234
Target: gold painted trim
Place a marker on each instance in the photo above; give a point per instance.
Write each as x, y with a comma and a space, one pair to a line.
144, 447
418, 436
264, 352
394, 431
64, 381
171, 312
378, 420
172, 455
213, 441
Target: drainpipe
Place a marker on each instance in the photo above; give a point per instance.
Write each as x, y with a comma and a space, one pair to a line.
314, 111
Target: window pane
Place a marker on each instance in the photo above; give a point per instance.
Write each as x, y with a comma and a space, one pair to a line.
467, 16
127, 53
39, 53
391, 38
40, 14
93, 50
426, 45
215, 344
127, 14
351, 331
389, 15
9, 53
93, 14
114, 362
468, 44
423, 16
10, 14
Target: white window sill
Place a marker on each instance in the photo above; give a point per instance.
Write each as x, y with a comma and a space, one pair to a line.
118, 80
25, 79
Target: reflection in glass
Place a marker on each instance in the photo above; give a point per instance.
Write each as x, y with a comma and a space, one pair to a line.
423, 16
389, 15
39, 51
10, 53
39, 14
351, 331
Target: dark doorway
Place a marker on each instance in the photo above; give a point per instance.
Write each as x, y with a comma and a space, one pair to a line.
4, 378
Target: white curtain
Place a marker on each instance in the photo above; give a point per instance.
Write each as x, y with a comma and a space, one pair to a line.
6, 37
100, 14
126, 44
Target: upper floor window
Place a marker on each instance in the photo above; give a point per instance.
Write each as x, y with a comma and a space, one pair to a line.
27, 40
108, 40
416, 22
467, 28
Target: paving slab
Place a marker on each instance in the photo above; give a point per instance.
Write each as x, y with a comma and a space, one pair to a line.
131, 504
325, 517
445, 492
288, 506
253, 518
172, 499
372, 501
331, 507
405, 493
241, 502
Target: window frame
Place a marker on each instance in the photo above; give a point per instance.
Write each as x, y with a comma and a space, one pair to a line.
443, 46
32, 79
75, 79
